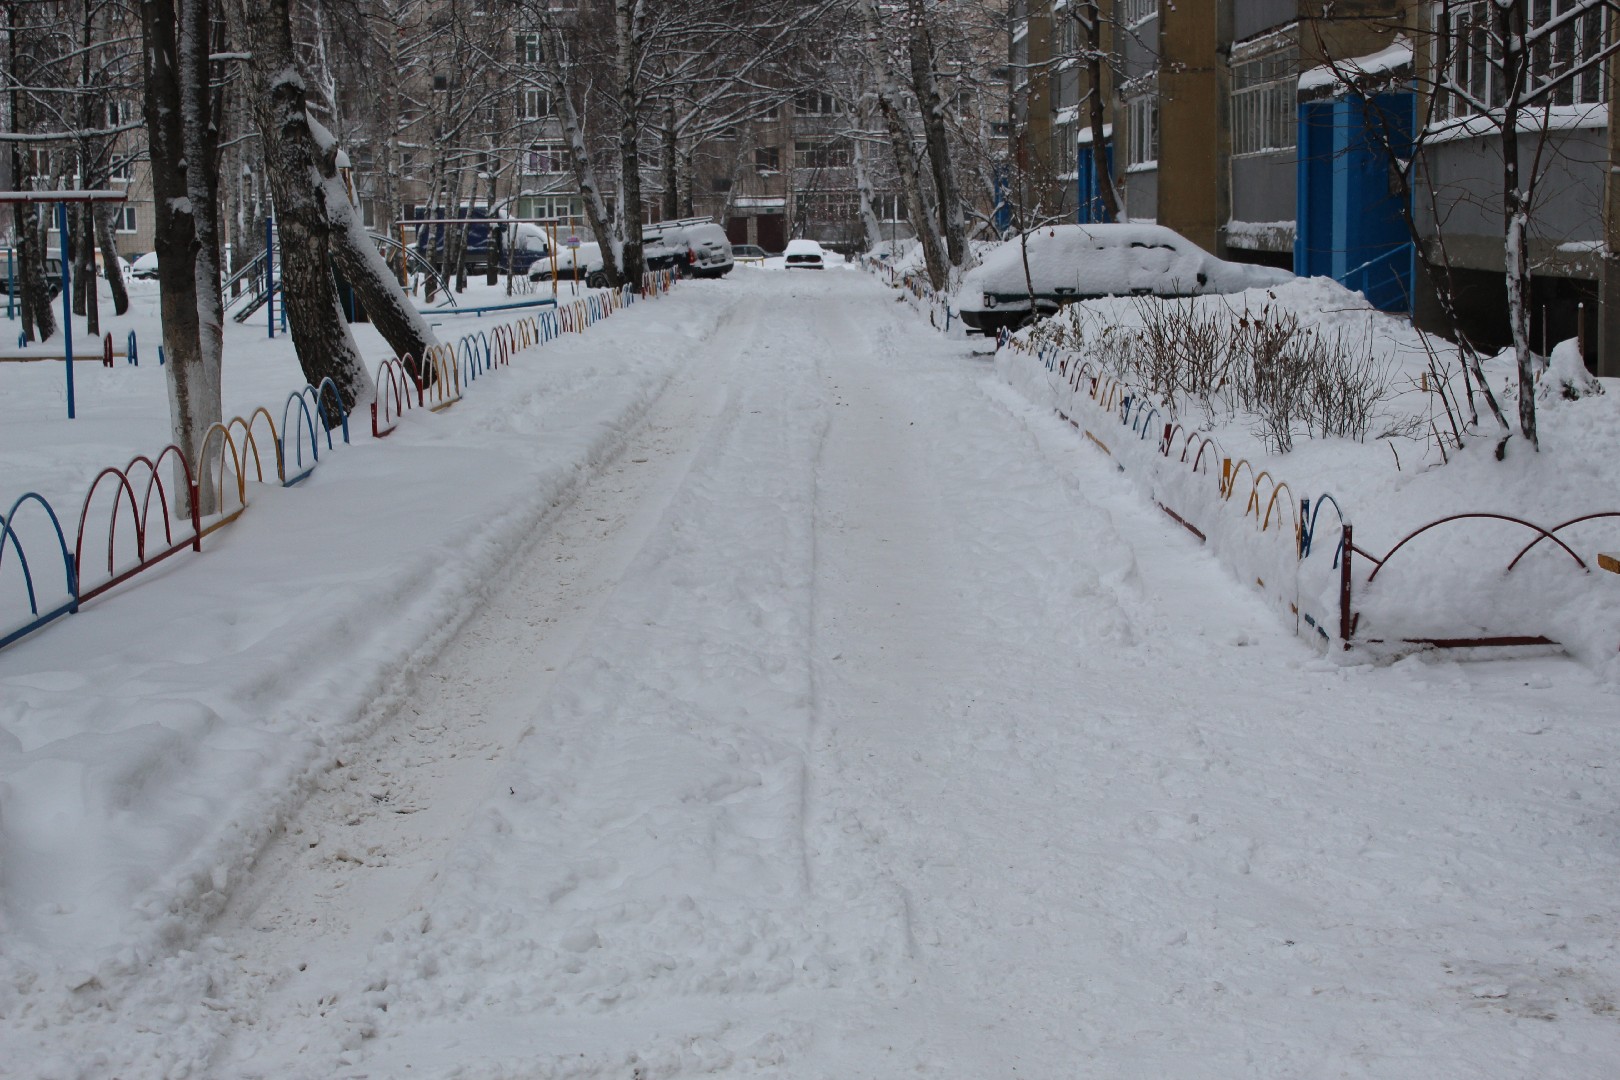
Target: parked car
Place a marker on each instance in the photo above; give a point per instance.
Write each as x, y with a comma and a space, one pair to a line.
1083, 262
747, 253
805, 255
53, 276
480, 235
525, 245
586, 259
144, 268
699, 247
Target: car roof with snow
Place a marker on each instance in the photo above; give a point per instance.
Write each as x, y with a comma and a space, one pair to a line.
803, 247
1112, 259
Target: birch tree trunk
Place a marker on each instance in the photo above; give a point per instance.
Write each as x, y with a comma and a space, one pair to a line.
888, 97
627, 58
863, 185
1510, 22
192, 372
590, 188
321, 337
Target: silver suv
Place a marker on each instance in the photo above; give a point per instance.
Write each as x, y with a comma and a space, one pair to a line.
701, 247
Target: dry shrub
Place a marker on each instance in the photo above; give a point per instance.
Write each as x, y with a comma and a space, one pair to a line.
1292, 379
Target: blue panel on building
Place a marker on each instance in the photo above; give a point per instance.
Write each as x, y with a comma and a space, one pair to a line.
1089, 198
1350, 222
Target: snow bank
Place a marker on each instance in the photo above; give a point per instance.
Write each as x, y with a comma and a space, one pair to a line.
1450, 582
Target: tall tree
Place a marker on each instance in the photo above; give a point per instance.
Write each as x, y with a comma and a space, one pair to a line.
180, 136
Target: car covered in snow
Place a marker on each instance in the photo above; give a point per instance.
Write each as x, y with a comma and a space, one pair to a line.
699, 247
145, 267
583, 262
805, 255
1067, 263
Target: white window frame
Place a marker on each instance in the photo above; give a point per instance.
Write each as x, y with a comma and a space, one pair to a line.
546, 157
537, 104
1265, 102
125, 220
1142, 143
1474, 59
1136, 12
529, 51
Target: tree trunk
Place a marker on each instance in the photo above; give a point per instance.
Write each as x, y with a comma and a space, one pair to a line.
671, 201
39, 321
590, 189
86, 291
1090, 17
193, 375
109, 260
863, 185
627, 57
888, 97
1510, 27
321, 337
932, 106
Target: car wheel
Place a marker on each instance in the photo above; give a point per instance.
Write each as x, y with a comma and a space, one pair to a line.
596, 280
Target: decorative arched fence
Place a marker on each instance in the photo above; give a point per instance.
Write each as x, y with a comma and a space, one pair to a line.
1199, 485
143, 520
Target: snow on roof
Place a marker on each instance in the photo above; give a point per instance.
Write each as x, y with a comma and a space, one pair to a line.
1353, 70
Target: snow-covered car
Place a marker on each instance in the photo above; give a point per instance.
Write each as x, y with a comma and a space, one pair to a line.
144, 268
804, 255
585, 260
699, 247
1084, 262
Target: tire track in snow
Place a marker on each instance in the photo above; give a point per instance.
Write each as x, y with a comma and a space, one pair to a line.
366, 847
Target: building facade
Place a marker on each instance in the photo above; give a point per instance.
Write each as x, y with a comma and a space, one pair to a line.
1322, 138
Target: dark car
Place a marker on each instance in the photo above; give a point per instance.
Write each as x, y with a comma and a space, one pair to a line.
53, 276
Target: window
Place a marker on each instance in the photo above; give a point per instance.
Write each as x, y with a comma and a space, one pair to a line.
830, 205
122, 170
545, 158
720, 184
727, 134
1562, 44
1068, 35
120, 111
768, 158
1142, 114
124, 219
441, 83
1065, 147
888, 206
528, 49
1139, 11
1264, 102
821, 155
536, 105
814, 103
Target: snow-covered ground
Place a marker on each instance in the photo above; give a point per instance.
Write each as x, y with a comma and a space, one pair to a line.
761, 685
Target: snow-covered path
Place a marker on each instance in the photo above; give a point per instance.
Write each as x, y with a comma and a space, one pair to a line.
857, 720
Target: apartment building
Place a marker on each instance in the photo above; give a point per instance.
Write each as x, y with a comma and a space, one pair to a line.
1275, 131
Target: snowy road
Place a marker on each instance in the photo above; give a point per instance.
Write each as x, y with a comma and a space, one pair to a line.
857, 720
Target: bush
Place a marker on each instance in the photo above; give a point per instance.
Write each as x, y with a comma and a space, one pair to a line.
1290, 379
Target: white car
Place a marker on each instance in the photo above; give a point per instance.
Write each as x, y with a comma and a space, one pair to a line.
584, 260
145, 268
804, 255
1083, 262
